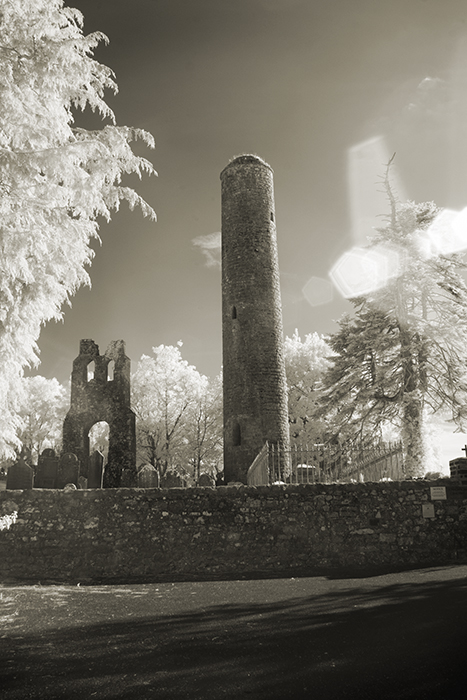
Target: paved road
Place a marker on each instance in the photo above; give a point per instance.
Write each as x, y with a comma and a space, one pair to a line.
401, 635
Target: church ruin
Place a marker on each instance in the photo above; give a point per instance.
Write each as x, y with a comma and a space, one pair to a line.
105, 396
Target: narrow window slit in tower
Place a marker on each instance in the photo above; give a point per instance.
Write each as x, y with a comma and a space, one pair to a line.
234, 312
272, 216
236, 435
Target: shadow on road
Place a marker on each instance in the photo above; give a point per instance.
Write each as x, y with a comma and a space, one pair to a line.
403, 640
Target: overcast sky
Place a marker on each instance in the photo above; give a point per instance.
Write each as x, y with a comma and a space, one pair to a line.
324, 91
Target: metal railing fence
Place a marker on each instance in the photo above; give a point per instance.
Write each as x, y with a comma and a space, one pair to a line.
326, 463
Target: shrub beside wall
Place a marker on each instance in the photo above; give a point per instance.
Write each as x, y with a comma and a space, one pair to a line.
112, 535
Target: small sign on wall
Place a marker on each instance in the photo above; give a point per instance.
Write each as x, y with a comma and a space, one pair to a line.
438, 493
428, 510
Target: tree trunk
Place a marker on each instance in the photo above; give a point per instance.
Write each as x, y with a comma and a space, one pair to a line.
413, 442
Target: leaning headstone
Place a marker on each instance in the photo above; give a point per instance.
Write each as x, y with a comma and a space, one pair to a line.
96, 470
206, 480
20, 476
148, 477
47, 470
68, 470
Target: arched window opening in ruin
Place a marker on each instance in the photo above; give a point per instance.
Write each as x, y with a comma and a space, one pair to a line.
99, 438
236, 435
91, 370
234, 312
110, 371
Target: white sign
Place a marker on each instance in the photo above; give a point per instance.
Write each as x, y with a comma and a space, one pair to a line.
438, 493
428, 510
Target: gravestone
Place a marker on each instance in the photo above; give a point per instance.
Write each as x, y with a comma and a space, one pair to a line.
68, 470
172, 480
206, 480
20, 476
96, 470
82, 482
128, 480
148, 477
47, 470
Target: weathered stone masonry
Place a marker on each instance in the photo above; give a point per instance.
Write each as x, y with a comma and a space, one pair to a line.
255, 389
155, 535
102, 398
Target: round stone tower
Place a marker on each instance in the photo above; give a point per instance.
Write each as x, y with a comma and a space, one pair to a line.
255, 389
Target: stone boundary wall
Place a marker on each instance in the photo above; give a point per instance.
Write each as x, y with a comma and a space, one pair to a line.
141, 535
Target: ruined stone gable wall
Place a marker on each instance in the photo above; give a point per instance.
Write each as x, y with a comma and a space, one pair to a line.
102, 398
129, 535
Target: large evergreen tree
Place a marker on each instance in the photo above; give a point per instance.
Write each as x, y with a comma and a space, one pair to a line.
403, 353
55, 179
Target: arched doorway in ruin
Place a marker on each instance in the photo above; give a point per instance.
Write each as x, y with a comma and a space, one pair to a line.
99, 439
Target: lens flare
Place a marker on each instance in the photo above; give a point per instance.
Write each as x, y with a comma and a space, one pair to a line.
318, 291
447, 234
361, 271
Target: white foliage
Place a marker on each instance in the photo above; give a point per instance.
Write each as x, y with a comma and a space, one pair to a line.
42, 408
306, 360
6, 521
55, 179
305, 363
169, 397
